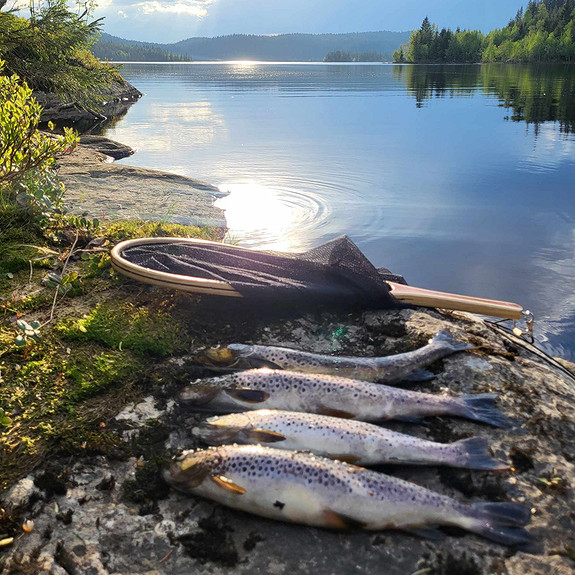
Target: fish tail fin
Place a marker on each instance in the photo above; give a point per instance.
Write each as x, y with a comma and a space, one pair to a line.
481, 407
448, 341
501, 522
473, 453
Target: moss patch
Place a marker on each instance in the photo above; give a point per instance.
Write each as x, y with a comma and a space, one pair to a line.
125, 326
98, 347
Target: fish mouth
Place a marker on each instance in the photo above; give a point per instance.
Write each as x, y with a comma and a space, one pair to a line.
198, 394
215, 434
217, 431
187, 471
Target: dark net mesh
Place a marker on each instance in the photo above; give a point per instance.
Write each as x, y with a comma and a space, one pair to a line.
334, 273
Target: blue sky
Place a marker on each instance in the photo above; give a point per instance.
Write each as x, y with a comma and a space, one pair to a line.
172, 20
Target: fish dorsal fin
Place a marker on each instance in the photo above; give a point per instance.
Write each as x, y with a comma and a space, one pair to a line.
345, 457
227, 484
264, 435
336, 413
335, 520
248, 395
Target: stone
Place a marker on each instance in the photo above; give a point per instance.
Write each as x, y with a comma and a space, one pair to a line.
101, 189
115, 101
105, 146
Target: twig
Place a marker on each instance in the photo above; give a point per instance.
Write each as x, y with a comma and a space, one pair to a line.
31, 271
61, 274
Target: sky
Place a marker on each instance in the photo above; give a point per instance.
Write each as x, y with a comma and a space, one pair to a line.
167, 21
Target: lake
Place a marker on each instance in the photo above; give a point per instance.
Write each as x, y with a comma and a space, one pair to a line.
461, 178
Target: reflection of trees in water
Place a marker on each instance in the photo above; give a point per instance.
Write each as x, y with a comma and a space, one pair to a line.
435, 81
534, 94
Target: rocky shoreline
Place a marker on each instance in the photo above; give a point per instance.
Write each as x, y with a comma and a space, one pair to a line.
99, 188
115, 101
108, 516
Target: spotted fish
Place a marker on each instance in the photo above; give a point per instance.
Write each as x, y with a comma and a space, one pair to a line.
388, 369
352, 441
303, 488
330, 395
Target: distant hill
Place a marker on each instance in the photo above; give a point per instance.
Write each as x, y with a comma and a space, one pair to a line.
116, 49
283, 47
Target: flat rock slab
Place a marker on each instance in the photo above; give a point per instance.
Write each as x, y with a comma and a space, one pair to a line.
97, 187
89, 527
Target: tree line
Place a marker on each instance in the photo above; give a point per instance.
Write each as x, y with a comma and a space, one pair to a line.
106, 50
543, 32
342, 56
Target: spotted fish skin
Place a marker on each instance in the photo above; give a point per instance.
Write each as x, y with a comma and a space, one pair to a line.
331, 395
352, 441
388, 369
303, 488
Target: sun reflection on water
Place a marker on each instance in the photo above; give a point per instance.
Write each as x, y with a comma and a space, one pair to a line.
265, 217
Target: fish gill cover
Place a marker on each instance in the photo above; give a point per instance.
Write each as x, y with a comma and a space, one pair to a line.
335, 273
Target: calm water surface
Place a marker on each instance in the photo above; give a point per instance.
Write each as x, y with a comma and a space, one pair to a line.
462, 178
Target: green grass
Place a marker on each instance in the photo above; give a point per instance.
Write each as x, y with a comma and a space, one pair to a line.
100, 351
126, 327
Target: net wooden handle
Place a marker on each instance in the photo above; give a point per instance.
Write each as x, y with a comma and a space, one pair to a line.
430, 298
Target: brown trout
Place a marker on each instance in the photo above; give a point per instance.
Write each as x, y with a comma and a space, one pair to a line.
388, 369
303, 488
331, 395
352, 441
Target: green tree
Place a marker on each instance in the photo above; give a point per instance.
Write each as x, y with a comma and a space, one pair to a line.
399, 56
544, 32
50, 51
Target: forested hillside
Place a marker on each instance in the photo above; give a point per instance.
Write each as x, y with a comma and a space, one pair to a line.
106, 49
543, 32
284, 47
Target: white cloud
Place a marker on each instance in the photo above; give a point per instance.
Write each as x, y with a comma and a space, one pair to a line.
197, 8
122, 14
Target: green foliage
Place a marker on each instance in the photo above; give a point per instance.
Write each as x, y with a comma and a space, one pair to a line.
106, 50
4, 419
126, 327
430, 45
50, 51
25, 152
29, 332
545, 32
399, 55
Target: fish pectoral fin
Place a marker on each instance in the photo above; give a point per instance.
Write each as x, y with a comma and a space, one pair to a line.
427, 532
227, 484
263, 435
336, 413
248, 395
335, 520
345, 457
